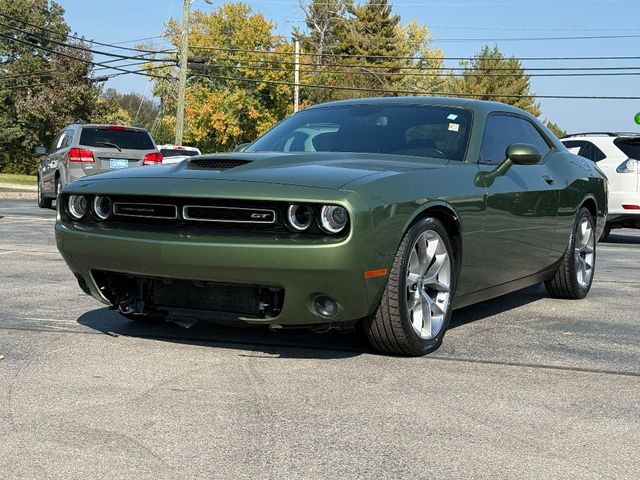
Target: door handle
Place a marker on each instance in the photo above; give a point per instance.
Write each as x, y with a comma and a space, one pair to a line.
548, 179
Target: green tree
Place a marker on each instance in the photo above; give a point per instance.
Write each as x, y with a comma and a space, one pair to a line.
492, 76
555, 128
43, 85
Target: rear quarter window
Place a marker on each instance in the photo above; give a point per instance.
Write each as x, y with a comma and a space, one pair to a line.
125, 139
629, 146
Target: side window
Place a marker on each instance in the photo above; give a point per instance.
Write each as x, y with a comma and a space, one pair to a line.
56, 142
68, 137
503, 130
574, 146
592, 152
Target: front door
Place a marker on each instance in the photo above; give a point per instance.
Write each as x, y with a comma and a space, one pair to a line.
522, 204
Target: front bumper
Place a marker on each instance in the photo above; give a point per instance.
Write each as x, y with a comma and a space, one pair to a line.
303, 268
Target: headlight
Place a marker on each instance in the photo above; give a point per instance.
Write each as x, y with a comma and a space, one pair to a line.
299, 217
77, 206
333, 218
102, 207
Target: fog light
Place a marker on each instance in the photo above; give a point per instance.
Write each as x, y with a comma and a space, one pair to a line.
325, 306
77, 206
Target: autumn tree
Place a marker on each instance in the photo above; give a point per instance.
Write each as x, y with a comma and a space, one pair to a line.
235, 91
492, 76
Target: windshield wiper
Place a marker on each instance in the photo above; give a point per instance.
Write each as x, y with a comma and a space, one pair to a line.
109, 144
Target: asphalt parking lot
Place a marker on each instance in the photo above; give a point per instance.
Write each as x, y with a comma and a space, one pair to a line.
524, 386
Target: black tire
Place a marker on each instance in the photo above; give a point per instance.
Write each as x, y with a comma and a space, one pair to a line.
389, 329
565, 283
43, 202
605, 233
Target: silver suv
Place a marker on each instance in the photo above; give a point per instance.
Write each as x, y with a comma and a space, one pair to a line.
86, 149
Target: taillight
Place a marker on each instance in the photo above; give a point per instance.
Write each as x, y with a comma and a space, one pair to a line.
153, 158
81, 155
628, 166
631, 207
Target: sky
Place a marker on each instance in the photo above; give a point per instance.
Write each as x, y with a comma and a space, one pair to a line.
459, 27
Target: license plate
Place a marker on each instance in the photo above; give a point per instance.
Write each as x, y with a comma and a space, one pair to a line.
115, 163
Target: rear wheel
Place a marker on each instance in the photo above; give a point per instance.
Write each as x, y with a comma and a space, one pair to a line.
416, 304
43, 202
575, 273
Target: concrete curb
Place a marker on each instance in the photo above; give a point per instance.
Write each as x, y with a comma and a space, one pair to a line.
15, 192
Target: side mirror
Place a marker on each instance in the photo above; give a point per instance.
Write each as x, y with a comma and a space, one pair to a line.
517, 154
523, 154
241, 147
40, 150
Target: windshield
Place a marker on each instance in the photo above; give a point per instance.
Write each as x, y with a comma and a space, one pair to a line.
124, 139
423, 131
170, 152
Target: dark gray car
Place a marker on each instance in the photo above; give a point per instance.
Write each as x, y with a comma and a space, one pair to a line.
86, 149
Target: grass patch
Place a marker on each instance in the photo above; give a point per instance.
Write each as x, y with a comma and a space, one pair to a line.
18, 179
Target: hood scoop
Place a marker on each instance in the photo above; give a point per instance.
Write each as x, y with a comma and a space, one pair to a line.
217, 163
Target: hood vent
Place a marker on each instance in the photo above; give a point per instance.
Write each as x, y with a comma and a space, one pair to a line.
217, 163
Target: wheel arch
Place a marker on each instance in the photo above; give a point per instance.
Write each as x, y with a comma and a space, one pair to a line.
449, 218
591, 204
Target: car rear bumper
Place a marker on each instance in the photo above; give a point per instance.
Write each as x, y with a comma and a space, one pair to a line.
622, 211
301, 269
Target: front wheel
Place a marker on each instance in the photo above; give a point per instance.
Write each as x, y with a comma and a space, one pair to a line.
575, 273
415, 308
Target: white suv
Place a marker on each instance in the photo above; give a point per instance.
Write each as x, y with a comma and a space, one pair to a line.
618, 156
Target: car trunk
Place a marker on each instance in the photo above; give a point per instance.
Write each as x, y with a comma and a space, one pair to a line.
116, 147
108, 159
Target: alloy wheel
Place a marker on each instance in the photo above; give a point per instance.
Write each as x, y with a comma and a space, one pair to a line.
584, 252
428, 284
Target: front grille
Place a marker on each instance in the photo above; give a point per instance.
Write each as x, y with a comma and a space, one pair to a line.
189, 297
217, 164
203, 213
145, 210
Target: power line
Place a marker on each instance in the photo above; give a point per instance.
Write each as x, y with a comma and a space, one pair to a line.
365, 71
76, 47
417, 67
416, 92
88, 62
24, 75
24, 22
406, 57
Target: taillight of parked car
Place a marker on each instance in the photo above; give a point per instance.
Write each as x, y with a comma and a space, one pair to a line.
154, 158
81, 155
628, 166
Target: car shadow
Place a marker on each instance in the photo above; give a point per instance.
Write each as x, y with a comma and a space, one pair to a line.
622, 239
497, 305
253, 340
285, 343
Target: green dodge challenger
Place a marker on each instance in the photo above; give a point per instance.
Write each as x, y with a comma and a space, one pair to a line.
384, 213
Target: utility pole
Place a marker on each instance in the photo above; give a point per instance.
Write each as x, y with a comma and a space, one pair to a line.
296, 79
182, 74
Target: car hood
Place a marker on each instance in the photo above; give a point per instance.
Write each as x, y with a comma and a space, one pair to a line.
320, 170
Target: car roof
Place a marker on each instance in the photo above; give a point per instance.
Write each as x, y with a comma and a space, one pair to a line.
602, 134
99, 125
478, 106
